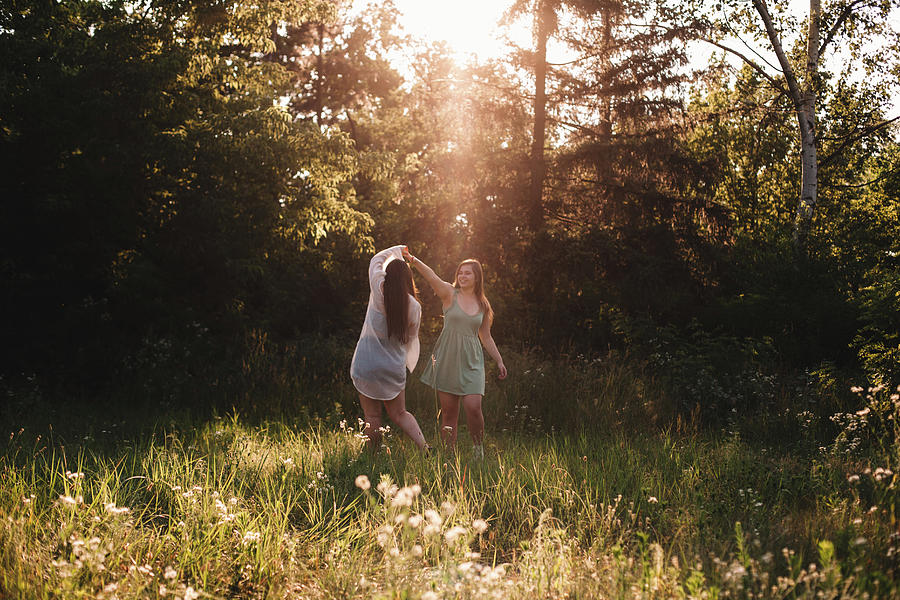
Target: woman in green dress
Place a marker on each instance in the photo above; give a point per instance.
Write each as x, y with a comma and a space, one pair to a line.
456, 368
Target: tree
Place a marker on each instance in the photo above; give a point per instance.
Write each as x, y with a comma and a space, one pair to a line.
799, 74
151, 175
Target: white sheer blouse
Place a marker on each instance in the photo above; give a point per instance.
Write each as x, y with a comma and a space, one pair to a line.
379, 363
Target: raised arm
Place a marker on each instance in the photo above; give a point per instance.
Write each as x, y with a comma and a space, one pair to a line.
376, 273
484, 332
441, 288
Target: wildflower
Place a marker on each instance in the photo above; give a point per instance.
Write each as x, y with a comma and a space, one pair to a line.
433, 517
863, 412
406, 495
479, 526
429, 595
384, 535
362, 482
417, 550
447, 508
163, 590
250, 537
415, 521
394, 552
191, 594
860, 541
112, 509
853, 479
74, 476
288, 462
68, 500
170, 573
856, 389
386, 488
232, 501
652, 500
109, 588
454, 533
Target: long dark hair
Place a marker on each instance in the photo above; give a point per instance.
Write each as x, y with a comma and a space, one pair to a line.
479, 287
398, 287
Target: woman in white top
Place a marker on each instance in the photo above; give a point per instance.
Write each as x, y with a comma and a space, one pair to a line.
388, 346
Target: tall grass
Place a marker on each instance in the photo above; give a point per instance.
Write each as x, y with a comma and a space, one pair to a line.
590, 488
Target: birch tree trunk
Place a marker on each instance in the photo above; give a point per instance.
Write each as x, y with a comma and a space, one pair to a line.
804, 100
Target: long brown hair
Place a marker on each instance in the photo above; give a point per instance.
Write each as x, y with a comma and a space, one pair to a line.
479, 287
398, 287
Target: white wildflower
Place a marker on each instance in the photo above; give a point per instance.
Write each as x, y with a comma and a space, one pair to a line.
405, 496
191, 594
112, 509
415, 521
362, 482
250, 537
454, 534
479, 526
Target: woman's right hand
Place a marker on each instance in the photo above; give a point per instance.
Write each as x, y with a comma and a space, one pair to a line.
406, 255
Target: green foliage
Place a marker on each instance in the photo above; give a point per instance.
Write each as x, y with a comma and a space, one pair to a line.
152, 177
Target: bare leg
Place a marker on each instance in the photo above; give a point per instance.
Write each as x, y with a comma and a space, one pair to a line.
396, 410
474, 417
372, 411
449, 418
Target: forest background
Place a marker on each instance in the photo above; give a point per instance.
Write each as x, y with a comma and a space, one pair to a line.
181, 178
192, 191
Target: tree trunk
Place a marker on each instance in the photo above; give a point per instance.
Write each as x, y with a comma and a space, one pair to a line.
320, 75
805, 106
807, 117
543, 17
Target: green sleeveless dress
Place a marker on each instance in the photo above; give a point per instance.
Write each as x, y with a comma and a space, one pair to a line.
456, 365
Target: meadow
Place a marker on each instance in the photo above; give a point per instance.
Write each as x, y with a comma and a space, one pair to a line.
593, 486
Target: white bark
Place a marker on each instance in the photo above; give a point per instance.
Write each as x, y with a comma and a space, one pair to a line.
804, 100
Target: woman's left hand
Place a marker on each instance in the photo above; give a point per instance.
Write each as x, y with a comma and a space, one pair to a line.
502, 371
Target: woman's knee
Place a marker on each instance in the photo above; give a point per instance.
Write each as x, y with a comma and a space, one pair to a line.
397, 414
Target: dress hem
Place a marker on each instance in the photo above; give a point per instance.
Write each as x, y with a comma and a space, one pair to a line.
434, 387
